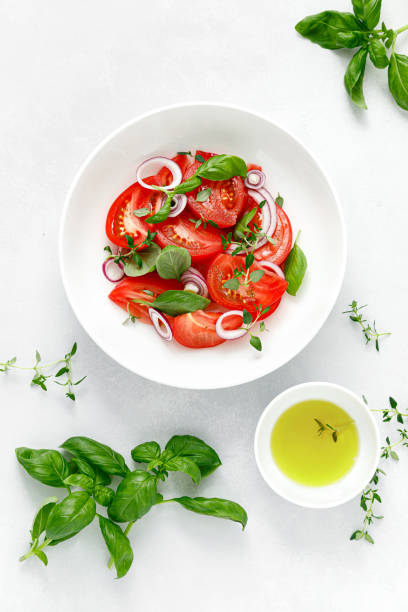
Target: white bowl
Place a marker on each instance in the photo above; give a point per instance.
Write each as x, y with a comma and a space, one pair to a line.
291, 170
354, 481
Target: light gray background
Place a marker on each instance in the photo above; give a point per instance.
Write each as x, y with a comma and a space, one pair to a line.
71, 73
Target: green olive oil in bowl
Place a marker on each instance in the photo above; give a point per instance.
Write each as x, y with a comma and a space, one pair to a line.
315, 443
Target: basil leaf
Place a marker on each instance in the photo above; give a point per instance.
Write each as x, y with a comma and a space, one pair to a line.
141, 212
222, 168
378, 53
172, 262
118, 545
47, 466
162, 214
353, 79
398, 79
368, 11
186, 465
146, 452
175, 302
41, 555
241, 228
195, 449
256, 275
147, 258
232, 283
41, 518
77, 464
189, 185
97, 454
71, 515
203, 195
214, 506
333, 30
103, 495
135, 495
295, 268
81, 481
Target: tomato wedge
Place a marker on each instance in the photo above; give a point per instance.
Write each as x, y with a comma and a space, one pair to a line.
134, 288
197, 329
180, 231
268, 290
278, 252
225, 202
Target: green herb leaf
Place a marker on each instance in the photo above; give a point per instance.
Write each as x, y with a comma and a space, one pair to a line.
70, 516
146, 452
135, 495
398, 79
246, 317
199, 158
256, 275
189, 185
279, 200
368, 11
184, 153
172, 262
146, 261
97, 454
255, 341
47, 466
175, 302
353, 79
295, 268
357, 535
231, 283
162, 214
186, 465
142, 212
118, 545
222, 168
41, 518
203, 195
103, 495
214, 506
81, 481
333, 30
42, 556
195, 449
378, 53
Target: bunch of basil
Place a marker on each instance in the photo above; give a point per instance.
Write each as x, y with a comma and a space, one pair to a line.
91, 468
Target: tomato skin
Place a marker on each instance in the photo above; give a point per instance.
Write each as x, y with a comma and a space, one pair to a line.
131, 288
226, 200
277, 253
180, 231
266, 292
197, 329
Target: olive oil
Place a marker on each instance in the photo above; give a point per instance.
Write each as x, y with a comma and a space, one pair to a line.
308, 457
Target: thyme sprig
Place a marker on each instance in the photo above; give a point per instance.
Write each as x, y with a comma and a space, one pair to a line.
132, 253
369, 330
40, 376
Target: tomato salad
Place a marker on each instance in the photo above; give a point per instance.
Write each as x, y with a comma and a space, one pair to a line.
200, 249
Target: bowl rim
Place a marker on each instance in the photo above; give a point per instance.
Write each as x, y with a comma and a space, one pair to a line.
261, 423
156, 111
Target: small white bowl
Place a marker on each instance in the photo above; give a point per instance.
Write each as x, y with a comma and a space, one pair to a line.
354, 481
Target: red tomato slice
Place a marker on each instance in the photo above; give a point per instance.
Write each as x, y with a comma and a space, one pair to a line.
179, 231
226, 200
268, 290
133, 288
197, 329
278, 252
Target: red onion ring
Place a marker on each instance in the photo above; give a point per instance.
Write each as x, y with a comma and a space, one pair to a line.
250, 181
269, 216
160, 324
229, 334
158, 162
180, 200
272, 266
196, 279
118, 266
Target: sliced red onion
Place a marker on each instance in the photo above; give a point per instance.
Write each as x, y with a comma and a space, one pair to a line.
269, 216
255, 179
160, 324
152, 165
272, 266
193, 280
113, 271
178, 204
229, 334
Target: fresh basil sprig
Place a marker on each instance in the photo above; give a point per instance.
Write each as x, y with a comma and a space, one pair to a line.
295, 268
176, 302
337, 30
136, 494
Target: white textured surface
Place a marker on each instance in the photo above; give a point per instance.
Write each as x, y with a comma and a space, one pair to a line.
72, 72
